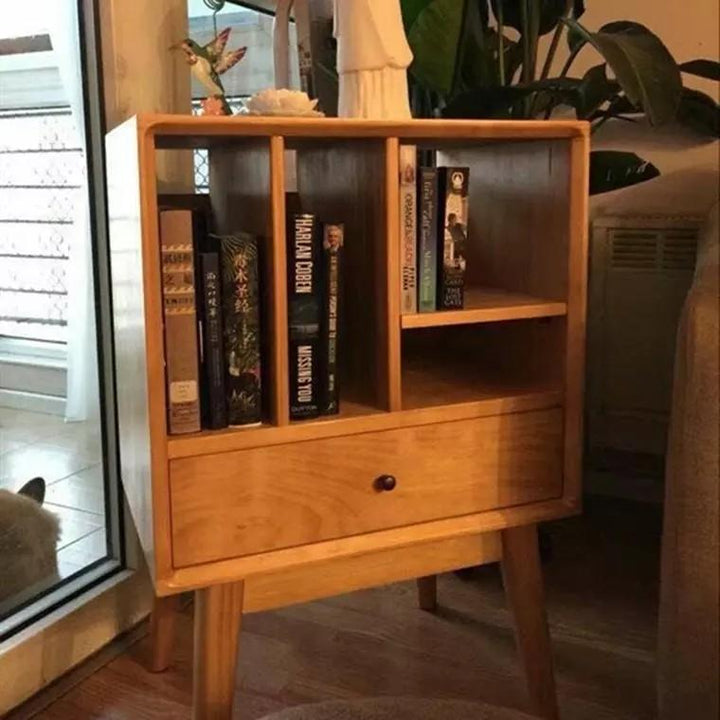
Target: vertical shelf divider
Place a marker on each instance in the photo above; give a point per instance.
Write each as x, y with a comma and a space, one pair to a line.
390, 259
280, 396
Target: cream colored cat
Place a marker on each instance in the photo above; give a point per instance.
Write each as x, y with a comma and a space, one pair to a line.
28, 539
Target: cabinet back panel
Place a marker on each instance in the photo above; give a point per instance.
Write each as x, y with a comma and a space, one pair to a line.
346, 183
519, 215
246, 194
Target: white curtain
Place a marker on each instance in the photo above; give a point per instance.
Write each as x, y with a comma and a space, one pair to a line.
82, 398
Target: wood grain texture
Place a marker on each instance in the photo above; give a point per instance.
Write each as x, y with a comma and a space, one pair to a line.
488, 305
453, 364
218, 613
162, 632
247, 195
325, 489
333, 577
576, 318
137, 323
389, 319
344, 183
238, 568
518, 235
491, 398
182, 129
276, 274
522, 577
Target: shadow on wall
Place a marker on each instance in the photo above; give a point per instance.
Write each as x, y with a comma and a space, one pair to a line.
690, 180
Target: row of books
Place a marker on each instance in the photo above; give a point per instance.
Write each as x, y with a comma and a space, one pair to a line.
433, 234
212, 310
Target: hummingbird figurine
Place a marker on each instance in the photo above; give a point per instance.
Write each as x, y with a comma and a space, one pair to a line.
208, 62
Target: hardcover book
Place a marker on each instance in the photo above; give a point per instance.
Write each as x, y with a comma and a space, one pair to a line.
241, 328
333, 239
427, 238
179, 313
408, 228
452, 236
304, 311
212, 363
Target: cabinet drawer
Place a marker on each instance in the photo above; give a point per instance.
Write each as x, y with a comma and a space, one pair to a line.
251, 501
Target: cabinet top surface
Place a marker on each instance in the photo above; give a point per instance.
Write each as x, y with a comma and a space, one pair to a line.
160, 125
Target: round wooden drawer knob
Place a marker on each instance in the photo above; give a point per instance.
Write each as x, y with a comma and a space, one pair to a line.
385, 483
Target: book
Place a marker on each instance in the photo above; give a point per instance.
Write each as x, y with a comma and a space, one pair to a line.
304, 311
408, 228
427, 238
180, 319
212, 363
241, 328
452, 236
333, 240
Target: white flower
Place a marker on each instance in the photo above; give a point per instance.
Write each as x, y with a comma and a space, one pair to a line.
288, 103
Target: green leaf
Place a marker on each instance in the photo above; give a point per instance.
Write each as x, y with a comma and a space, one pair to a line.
709, 69
595, 89
699, 112
508, 102
433, 30
614, 169
478, 56
550, 13
642, 65
496, 103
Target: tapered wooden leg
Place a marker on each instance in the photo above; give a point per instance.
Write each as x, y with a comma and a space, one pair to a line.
522, 577
218, 612
162, 632
427, 593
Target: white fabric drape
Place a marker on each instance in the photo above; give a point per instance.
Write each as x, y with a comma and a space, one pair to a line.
82, 401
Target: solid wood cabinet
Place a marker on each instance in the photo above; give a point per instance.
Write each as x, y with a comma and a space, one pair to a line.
473, 416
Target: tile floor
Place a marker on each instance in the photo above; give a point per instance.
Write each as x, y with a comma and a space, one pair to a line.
68, 456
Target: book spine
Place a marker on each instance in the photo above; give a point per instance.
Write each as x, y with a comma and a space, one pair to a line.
333, 240
408, 228
241, 328
427, 238
452, 236
180, 316
214, 405
304, 303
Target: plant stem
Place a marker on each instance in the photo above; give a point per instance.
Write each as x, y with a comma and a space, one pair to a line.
534, 22
555, 42
563, 73
526, 77
461, 49
501, 41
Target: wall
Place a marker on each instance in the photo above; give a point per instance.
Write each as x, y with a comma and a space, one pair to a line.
689, 164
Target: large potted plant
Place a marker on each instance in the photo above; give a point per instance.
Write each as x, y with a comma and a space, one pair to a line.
467, 65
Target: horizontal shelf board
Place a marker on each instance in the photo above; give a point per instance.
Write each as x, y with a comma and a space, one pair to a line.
348, 409
447, 386
230, 439
488, 305
168, 128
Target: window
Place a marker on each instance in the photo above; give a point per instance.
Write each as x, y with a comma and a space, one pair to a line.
56, 389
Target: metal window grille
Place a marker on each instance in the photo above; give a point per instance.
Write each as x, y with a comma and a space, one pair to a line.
200, 157
42, 173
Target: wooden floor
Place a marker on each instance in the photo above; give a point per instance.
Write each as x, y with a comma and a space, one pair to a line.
602, 594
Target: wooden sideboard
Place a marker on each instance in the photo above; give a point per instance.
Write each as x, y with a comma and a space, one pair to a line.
459, 430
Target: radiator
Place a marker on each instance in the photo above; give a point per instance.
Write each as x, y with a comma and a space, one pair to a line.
640, 271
